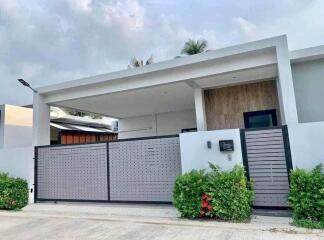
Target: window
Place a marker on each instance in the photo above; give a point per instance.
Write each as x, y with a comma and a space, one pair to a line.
259, 119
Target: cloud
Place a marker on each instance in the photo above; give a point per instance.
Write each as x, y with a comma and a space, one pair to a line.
49, 42
30, 70
80, 5
9, 8
130, 15
246, 27
173, 35
53, 41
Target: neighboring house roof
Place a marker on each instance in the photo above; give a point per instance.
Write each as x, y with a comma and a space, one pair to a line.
307, 54
64, 121
73, 127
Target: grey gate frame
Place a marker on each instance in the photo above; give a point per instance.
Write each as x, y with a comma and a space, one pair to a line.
267, 161
141, 170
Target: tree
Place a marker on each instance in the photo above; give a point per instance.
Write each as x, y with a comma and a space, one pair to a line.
136, 62
192, 47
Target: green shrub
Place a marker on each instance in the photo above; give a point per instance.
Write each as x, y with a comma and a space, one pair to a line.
306, 197
13, 192
231, 194
187, 193
225, 195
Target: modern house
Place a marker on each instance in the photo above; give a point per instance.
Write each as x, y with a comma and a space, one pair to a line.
256, 104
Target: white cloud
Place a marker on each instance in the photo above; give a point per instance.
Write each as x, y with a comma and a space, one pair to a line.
30, 70
175, 34
80, 5
245, 26
130, 15
52, 41
9, 8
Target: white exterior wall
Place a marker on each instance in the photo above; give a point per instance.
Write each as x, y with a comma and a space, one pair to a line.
306, 144
19, 162
156, 125
309, 85
16, 126
196, 155
42, 119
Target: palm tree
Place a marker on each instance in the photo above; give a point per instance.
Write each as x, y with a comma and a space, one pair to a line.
136, 62
192, 47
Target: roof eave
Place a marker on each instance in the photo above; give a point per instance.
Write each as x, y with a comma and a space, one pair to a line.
307, 54
169, 64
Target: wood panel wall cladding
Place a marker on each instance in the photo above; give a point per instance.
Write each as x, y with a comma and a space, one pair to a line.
225, 106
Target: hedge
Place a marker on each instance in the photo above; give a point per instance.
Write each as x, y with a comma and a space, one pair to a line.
13, 192
187, 193
223, 195
306, 197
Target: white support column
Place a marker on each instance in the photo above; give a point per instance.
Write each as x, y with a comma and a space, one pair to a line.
285, 86
41, 121
200, 109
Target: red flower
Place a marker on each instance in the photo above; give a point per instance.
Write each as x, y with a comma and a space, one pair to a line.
206, 207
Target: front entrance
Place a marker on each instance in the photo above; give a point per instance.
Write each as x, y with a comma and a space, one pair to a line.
267, 160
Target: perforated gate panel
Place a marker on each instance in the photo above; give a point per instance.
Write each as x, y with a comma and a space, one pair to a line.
267, 167
144, 170
75, 172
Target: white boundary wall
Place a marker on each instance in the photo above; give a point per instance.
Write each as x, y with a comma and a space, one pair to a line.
306, 144
16, 126
196, 155
156, 125
19, 162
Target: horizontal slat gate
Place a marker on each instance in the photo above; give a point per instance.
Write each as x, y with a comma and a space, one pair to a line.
267, 166
132, 170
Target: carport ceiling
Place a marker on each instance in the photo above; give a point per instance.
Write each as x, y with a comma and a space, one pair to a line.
165, 98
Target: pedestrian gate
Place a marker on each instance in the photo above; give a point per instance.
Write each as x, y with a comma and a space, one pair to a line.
267, 160
129, 170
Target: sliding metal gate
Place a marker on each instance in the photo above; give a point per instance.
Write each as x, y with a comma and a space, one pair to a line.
129, 170
267, 159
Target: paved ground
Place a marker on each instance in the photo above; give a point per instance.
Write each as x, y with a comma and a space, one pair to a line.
136, 222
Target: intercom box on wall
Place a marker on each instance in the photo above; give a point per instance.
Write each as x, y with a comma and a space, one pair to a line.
226, 145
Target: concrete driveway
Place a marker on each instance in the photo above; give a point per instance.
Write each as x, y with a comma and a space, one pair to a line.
121, 221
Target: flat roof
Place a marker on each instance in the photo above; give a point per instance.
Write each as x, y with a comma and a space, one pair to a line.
168, 64
295, 56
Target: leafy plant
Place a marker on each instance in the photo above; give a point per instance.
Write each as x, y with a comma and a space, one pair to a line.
192, 47
187, 193
13, 192
231, 194
136, 62
306, 197
224, 195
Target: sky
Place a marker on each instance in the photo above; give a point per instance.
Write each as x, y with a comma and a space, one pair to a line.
48, 42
